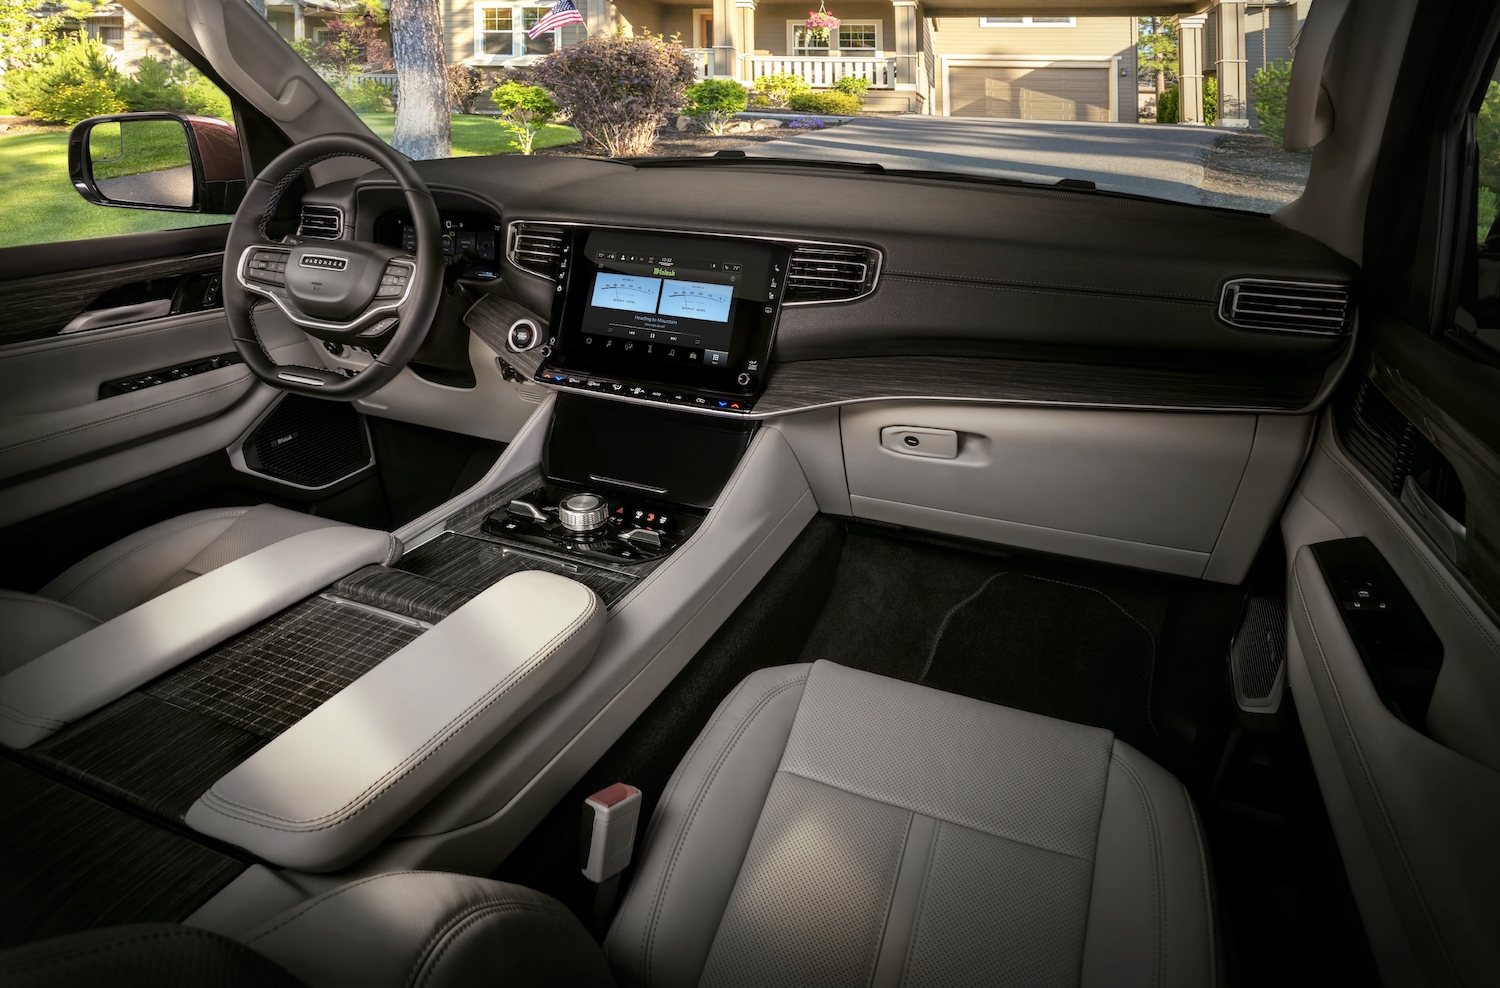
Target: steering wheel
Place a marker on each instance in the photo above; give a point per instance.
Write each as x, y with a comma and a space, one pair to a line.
341, 291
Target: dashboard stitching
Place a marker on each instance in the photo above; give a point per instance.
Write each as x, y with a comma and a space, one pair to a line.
1072, 289
1049, 291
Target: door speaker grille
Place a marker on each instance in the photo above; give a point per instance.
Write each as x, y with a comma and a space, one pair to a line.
1258, 655
309, 442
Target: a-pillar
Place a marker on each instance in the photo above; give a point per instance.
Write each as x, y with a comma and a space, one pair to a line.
1230, 25
908, 45
1190, 68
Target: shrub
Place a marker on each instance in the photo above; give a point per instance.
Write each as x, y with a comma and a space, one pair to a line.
1210, 101
715, 102
76, 75
1166, 107
853, 85
365, 96
1271, 84
827, 101
780, 87
174, 86
1487, 134
527, 108
617, 89
465, 86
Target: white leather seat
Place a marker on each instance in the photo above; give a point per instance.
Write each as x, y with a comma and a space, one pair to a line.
828, 827
135, 569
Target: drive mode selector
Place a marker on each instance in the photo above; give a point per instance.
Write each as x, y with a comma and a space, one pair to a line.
582, 512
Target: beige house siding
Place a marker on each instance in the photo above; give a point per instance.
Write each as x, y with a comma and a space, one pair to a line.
1093, 39
772, 20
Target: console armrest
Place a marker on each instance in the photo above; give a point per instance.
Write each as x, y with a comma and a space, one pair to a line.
340, 779
103, 664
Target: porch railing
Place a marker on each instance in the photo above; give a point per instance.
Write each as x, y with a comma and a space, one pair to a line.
822, 73
384, 78
703, 62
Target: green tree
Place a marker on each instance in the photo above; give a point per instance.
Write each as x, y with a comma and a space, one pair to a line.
1156, 50
1271, 84
527, 108
715, 102
74, 76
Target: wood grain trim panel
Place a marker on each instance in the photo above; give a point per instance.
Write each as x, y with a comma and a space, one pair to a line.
36, 308
805, 384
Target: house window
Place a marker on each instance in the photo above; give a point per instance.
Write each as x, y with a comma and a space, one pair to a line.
853, 39
1028, 22
110, 30
500, 31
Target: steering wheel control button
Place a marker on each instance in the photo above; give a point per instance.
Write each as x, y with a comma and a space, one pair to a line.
522, 336
379, 328
582, 512
910, 440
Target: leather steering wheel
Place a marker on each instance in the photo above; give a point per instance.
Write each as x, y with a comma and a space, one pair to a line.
341, 291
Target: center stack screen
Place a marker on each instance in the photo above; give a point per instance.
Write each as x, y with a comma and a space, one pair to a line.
694, 316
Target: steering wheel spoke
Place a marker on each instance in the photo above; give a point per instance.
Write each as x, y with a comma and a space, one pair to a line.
346, 291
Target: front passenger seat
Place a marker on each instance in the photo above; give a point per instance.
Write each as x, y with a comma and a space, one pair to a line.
135, 569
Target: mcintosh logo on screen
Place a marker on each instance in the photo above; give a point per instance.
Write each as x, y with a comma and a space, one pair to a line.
664, 272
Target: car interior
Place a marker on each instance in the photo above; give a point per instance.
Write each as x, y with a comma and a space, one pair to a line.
558, 570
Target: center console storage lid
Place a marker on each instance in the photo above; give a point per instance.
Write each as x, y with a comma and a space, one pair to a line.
336, 782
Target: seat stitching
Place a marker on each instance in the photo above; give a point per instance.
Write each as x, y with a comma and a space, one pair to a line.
109, 420
1369, 777
400, 771
649, 934
471, 915
877, 798
1208, 899
916, 926
116, 560
1158, 878
39, 599
314, 903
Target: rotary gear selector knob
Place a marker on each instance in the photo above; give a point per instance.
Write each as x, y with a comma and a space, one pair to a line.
582, 512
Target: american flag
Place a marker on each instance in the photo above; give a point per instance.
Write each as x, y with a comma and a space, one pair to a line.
562, 13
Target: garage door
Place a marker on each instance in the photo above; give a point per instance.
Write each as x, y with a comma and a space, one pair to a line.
1028, 94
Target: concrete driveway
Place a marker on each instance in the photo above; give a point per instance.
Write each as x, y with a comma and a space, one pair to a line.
1153, 160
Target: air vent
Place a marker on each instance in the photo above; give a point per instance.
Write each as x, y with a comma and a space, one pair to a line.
1380, 438
321, 222
823, 273
536, 248
1289, 306
309, 443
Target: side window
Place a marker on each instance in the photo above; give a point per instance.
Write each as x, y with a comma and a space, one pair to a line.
1480, 306
60, 69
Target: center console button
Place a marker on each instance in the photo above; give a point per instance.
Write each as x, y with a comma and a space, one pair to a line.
582, 512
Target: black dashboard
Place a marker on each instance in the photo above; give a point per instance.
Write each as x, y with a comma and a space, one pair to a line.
981, 286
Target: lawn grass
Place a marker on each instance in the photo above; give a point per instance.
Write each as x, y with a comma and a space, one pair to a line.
136, 147
38, 203
475, 135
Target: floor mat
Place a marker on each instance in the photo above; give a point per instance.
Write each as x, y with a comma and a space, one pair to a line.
1054, 648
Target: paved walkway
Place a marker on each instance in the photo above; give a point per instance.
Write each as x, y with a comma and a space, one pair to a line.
1162, 161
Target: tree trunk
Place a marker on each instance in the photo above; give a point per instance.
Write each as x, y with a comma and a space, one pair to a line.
423, 125
1161, 82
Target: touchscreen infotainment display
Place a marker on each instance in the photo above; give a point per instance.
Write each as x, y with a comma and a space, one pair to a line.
680, 310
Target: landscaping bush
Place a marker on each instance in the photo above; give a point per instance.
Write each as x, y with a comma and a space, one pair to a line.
853, 85
365, 96
715, 102
1166, 107
1210, 101
827, 101
1270, 99
75, 81
526, 108
1168, 104
616, 89
173, 86
778, 88
465, 86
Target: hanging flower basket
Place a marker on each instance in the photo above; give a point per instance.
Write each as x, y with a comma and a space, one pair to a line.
819, 23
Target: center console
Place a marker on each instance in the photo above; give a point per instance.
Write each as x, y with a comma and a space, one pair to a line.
665, 318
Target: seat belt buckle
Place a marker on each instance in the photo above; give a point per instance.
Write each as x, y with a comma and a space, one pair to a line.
607, 836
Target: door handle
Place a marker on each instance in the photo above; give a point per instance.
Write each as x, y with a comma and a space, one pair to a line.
914, 440
118, 316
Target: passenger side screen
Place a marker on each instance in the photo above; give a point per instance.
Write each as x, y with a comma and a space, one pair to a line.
669, 309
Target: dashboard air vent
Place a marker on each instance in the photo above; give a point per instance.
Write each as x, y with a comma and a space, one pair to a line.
1290, 306
321, 222
827, 273
536, 248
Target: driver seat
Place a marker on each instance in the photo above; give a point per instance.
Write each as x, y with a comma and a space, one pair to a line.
135, 569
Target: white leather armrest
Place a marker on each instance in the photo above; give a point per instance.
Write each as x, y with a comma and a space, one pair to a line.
82, 675
344, 776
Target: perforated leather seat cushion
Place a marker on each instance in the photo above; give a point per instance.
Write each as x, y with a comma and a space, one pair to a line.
833, 827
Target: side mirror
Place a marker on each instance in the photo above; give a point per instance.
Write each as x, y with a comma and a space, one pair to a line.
169, 161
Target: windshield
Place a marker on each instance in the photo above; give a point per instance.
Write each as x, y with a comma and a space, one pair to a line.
1187, 108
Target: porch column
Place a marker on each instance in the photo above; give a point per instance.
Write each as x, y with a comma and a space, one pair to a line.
1190, 68
744, 39
908, 44
598, 16
723, 42
299, 21
1233, 111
